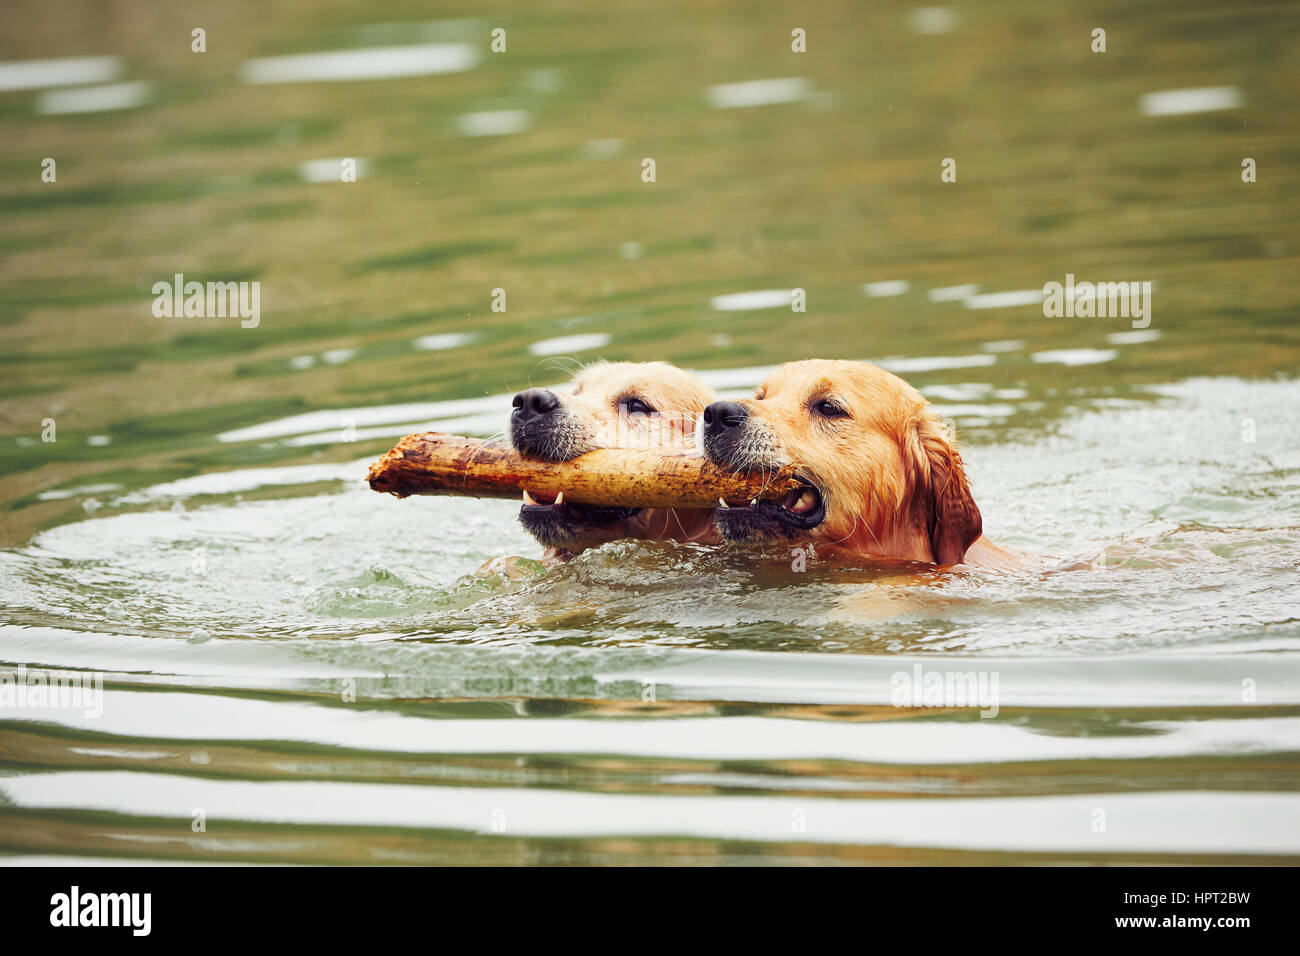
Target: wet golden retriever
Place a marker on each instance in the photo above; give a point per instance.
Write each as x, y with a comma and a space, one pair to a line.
883, 480
610, 405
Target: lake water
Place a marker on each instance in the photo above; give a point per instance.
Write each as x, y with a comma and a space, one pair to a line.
296, 669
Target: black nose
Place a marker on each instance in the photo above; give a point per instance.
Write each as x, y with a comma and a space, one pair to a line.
720, 416
534, 402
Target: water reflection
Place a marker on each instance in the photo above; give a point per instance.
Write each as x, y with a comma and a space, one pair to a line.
346, 677
376, 63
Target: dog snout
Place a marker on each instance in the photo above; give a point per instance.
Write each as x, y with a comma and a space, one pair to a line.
721, 416
534, 403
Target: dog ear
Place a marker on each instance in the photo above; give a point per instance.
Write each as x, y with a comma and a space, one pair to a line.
952, 519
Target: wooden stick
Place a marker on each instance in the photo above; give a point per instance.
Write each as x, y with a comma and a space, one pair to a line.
436, 464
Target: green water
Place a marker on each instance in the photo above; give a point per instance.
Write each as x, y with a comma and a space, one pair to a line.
322, 671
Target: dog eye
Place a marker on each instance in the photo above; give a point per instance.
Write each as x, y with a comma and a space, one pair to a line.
828, 409
635, 406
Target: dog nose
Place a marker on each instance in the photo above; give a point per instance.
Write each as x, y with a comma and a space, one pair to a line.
534, 402
720, 416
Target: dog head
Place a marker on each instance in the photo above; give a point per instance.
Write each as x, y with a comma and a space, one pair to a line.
881, 477
609, 405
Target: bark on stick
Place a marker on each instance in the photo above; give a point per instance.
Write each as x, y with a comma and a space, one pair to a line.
436, 464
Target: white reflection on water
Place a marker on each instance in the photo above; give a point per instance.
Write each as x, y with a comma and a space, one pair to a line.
367, 415
952, 293
1005, 300
564, 344
482, 424
1074, 356
245, 479
93, 99
493, 123
1133, 337
758, 92
59, 494
1205, 99
213, 717
746, 301
1004, 345
972, 414
1184, 823
957, 391
904, 364
330, 357
64, 71
443, 341
889, 287
374, 63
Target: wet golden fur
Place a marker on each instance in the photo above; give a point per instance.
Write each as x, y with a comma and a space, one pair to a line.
891, 478
594, 417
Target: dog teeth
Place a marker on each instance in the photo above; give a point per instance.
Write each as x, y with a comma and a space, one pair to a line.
752, 502
528, 499
723, 504
559, 499
805, 503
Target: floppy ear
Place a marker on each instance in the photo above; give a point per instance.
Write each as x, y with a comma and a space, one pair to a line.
952, 519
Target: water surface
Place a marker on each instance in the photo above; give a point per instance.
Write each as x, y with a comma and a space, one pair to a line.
298, 670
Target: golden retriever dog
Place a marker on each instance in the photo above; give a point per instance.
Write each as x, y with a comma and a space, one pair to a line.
882, 479
610, 405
